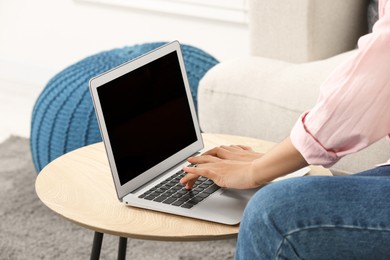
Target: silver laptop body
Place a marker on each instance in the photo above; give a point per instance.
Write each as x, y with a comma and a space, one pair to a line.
149, 127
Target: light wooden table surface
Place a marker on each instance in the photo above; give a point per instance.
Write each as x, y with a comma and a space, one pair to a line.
79, 187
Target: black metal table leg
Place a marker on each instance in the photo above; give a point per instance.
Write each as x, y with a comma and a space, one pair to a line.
122, 248
96, 246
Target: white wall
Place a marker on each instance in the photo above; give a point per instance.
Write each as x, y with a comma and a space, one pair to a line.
44, 36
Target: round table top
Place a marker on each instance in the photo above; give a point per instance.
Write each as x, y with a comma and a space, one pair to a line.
79, 187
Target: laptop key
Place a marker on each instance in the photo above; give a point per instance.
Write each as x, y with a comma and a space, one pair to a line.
160, 199
212, 189
187, 205
149, 197
195, 200
169, 200
203, 195
170, 191
209, 182
178, 202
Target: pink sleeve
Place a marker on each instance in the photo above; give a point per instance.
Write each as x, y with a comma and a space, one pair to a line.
353, 110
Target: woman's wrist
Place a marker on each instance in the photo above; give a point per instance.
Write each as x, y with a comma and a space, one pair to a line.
281, 160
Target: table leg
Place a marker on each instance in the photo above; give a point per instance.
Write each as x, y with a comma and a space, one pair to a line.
122, 248
96, 246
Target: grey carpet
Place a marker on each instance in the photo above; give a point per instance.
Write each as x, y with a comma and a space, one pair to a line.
29, 230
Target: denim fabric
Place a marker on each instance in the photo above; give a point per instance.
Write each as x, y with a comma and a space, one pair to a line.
345, 217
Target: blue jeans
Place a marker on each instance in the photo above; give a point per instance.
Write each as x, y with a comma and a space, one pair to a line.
343, 217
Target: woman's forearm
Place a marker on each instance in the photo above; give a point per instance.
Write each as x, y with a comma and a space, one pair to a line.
284, 158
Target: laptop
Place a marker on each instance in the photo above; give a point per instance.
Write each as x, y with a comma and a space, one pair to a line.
149, 127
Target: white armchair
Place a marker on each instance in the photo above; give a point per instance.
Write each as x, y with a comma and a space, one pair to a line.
294, 47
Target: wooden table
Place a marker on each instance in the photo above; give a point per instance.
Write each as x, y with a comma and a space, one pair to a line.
79, 187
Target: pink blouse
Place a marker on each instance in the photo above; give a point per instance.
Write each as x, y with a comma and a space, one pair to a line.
353, 109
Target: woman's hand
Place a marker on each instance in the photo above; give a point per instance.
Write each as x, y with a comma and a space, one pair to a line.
227, 166
234, 152
242, 168
224, 173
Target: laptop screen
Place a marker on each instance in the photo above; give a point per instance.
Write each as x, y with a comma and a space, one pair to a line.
147, 116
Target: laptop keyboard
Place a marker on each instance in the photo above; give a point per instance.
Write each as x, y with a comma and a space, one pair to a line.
171, 191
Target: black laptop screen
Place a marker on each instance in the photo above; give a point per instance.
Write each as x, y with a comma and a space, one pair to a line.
147, 116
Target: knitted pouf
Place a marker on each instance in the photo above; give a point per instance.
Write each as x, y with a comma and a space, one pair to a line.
63, 117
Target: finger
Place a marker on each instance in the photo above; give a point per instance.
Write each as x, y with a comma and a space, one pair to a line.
212, 152
216, 150
232, 148
203, 159
219, 152
244, 147
235, 148
189, 180
198, 171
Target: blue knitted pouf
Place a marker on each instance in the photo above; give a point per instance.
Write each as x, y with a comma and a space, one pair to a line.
63, 117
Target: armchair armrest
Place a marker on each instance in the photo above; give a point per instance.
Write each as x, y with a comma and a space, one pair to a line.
305, 30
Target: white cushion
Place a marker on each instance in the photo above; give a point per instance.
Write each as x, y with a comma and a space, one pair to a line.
263, 98
260, 97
